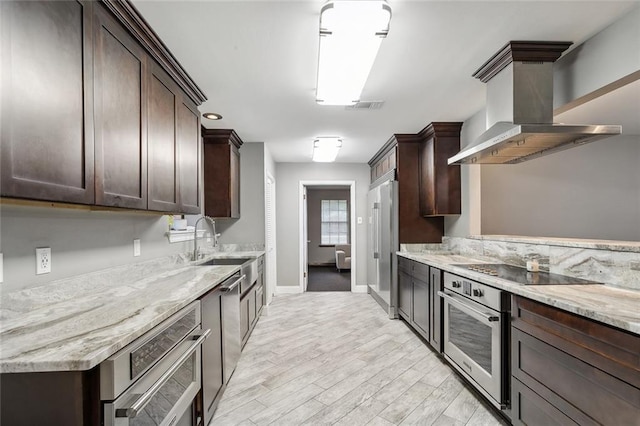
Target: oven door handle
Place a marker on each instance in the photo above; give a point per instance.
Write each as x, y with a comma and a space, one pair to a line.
228, 288
142, 400
460, 304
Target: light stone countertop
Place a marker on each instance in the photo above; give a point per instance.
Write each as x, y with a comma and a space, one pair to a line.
75, 324
617, 307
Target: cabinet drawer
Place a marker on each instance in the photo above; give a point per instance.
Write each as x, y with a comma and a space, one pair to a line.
609, 349
420, 271
529, 408
404, 264
581, 391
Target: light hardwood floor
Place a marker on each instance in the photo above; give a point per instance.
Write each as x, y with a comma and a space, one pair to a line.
335, 358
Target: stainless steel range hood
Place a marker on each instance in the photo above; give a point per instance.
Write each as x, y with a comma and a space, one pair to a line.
520, 108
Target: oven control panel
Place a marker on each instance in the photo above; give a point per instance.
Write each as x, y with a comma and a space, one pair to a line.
478, 292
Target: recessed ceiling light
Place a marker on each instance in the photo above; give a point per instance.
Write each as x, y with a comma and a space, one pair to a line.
212, 116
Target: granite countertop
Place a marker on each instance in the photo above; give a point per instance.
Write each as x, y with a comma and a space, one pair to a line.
617, 307
76, 323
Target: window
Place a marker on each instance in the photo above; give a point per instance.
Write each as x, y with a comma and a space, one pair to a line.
335, 222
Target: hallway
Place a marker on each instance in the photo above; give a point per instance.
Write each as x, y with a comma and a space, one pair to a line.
334, 358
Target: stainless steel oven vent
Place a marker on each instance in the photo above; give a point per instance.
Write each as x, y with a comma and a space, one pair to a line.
520, 108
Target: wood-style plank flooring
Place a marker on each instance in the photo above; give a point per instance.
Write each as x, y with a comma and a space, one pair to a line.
335, 358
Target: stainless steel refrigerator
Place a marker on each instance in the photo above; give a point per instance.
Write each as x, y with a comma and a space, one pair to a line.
382, 276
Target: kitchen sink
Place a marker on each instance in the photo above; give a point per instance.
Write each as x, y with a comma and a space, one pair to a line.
237, 261
248, 269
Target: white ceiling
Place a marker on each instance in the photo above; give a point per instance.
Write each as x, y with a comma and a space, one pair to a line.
256, 61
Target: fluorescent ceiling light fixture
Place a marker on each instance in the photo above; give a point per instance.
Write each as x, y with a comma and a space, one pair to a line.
350, 35
325, 149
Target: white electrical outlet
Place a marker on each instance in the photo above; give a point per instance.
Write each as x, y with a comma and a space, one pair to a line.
136, 247
359, 220
43, 260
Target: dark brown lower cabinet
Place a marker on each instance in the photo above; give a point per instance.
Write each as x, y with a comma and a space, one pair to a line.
65, 398
564, 363
418, 300
421, 312
405, 294
435, 309
212, 363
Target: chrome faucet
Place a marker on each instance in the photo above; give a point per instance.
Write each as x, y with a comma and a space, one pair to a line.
212, 223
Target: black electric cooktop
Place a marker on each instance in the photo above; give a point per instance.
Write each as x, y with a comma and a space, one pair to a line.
521, 276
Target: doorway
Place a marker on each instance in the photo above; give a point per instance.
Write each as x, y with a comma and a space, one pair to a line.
327, 235
270, 237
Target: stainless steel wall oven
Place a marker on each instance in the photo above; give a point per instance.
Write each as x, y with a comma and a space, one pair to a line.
476, 319
155, 379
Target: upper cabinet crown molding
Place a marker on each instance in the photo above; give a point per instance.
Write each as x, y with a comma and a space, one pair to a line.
224, 136
129, 16
537, 51
441, 129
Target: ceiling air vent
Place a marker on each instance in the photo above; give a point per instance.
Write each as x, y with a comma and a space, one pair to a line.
366, 105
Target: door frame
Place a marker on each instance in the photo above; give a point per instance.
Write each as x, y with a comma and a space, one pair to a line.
301, 221
270, 258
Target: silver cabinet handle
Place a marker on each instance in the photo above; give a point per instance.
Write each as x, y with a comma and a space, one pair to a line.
228, 288
376, 226
463, 306
144, 399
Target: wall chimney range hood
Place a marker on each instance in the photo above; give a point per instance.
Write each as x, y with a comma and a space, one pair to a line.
520, 108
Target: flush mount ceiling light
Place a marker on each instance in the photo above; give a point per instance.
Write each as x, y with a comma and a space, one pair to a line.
350, 35
212, 116
325, 149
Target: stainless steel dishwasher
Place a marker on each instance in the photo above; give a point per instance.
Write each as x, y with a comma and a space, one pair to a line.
231, 338
220, 353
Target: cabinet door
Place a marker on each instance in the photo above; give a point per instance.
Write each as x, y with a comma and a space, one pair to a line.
427, 178
244, 317
235, 182
47, 106
435, 304
252, 306
405, 293
212, 378
120, 115
188, 144
259, 300
161, 142
421, 311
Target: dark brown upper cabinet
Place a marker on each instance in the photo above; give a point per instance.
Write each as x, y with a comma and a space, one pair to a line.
47, 106
439, 182
188, 144
96, 110
173, 146
120, 115
221, 173
401, 157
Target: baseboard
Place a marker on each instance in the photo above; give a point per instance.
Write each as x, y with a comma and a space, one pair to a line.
360, 289
281, 289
